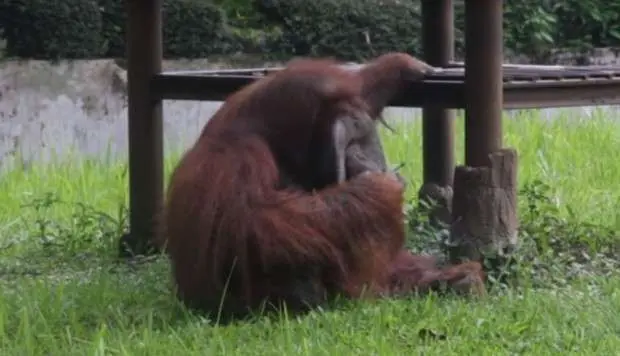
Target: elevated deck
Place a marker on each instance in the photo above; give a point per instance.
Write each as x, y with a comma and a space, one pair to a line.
525, 86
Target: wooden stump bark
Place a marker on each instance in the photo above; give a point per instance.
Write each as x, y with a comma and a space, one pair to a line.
484, 209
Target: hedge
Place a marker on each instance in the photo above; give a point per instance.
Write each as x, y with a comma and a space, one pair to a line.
195, 29
44, 29
96, 28
347, 29
191, 28
114, 17
531, 27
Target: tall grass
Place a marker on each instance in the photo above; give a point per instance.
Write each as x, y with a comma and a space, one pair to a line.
575, 156
61, 292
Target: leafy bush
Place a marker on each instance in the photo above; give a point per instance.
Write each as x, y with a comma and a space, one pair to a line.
536, 28
191, 28
52, 29
347, 29
96, 28
195, 29
87, 228
240, 13
356, 29
587, 23
552, 250
114, 16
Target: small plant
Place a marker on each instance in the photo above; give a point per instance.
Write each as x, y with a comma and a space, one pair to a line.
553, 248
86, 229
424, 235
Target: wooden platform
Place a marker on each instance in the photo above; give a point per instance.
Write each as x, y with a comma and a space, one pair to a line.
525, 86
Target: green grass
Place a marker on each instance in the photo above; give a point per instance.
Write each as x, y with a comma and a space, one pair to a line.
62, 292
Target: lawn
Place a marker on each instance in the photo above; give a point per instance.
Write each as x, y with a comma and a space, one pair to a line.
63, 293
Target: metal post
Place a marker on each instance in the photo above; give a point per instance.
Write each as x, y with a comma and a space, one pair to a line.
483, 80
438, 123
144, 60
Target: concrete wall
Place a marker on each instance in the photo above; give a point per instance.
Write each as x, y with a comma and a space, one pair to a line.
51, 109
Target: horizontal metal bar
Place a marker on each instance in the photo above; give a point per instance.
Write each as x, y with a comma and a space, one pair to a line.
567, 93
192, 87
516, 73
452, 67
444, 94
562, 83
430, 93
244, 71
544, 67
461, 64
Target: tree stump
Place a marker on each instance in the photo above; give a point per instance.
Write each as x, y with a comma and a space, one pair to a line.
484, 209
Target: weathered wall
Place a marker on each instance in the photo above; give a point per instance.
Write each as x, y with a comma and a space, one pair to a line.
50, 109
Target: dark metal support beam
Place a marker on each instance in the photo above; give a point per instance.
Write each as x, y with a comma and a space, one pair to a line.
438, 123
483, 80
433, 93
144, 61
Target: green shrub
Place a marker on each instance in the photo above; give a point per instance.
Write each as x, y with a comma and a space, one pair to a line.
195, 29
353, 29
240, 13
191, 28
583, 24
536, 28
97, 28
114, 16
44, 29
346, 29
